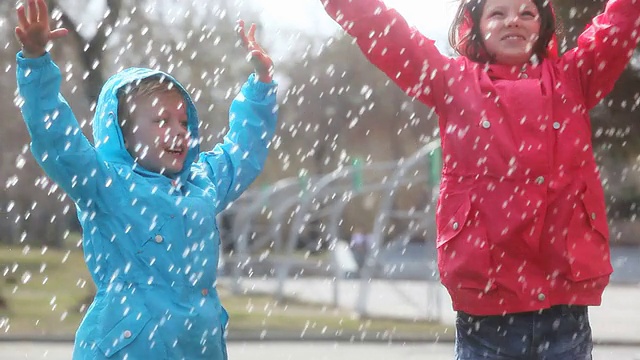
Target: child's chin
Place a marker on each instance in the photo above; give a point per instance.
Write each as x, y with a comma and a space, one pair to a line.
514, 58
173, 170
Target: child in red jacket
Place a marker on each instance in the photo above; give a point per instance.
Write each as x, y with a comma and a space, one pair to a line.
522, 235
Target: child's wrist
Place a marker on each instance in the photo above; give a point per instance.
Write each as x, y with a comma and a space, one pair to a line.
32, 54
264, 78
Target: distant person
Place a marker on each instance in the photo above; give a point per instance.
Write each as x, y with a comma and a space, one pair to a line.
360, 245
358, 239
523, 242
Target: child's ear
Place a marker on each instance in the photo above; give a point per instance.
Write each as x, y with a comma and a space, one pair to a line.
125, 133
125, 141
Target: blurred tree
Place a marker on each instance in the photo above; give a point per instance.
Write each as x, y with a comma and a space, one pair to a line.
338, 108
614, 121
90, 51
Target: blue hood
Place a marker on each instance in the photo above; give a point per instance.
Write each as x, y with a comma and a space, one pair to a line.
109, 141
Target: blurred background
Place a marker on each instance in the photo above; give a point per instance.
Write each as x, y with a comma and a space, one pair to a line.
336, 237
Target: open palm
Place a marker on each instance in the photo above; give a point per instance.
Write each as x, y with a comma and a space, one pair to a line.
33, 31
257, 55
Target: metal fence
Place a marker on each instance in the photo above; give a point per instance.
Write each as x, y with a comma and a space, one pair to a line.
265, 227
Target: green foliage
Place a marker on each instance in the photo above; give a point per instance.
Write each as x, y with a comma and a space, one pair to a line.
42, 290
46, 294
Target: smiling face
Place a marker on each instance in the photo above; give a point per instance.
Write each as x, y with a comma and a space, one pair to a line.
510, 30
157, 136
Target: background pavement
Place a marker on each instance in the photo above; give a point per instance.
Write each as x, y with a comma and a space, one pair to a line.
303, 350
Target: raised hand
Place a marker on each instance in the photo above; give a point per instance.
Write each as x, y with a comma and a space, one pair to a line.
262, 63
33, 31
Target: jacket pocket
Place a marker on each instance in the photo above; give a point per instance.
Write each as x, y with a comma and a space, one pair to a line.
587, 244
126, 335
464, 254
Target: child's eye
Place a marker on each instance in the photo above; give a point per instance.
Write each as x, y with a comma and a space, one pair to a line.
184, 124
495, 14
528, 14
161, 122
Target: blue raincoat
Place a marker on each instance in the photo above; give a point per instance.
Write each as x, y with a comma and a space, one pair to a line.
150, 242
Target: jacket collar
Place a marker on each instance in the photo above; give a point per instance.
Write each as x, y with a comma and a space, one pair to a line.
531, 70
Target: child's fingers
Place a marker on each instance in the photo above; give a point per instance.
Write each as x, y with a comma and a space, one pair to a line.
245, 42
22, 17
252, 33
20, 35
254, 46
239, 24
241, 34
43, 11
58, 33
32, 11
252, 40
257, 46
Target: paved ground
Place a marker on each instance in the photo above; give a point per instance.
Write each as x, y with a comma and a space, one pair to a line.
302, 350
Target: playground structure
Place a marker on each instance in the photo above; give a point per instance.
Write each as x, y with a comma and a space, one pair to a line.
296, 225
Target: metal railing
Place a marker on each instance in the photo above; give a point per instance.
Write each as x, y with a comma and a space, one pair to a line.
268, 223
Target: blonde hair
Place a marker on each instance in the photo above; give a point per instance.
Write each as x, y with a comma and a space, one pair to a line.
142, 87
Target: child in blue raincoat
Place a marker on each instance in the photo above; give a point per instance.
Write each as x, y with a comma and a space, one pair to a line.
146, 196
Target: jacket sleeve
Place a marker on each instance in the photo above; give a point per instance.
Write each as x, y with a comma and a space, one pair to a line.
236, 162
57, 141
406, 56
604, 49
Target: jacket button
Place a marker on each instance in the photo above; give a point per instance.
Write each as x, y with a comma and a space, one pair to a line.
540, 180
542, 297
126, 334
593, 216
455, 226
205, 292
159, 238
486, 124
556, 125
524, 76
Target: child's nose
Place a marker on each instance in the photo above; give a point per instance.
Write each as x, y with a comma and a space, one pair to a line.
512, 20
180, 131
177, 132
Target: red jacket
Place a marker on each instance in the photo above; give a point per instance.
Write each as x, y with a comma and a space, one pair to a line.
521, 222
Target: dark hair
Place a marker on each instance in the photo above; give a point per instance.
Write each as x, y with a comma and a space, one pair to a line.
472, 45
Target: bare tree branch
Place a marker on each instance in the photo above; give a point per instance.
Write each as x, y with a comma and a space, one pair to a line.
65, 21
100, 39
91, 51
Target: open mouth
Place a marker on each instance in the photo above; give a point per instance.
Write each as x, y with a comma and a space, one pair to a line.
513, 37
175, 151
